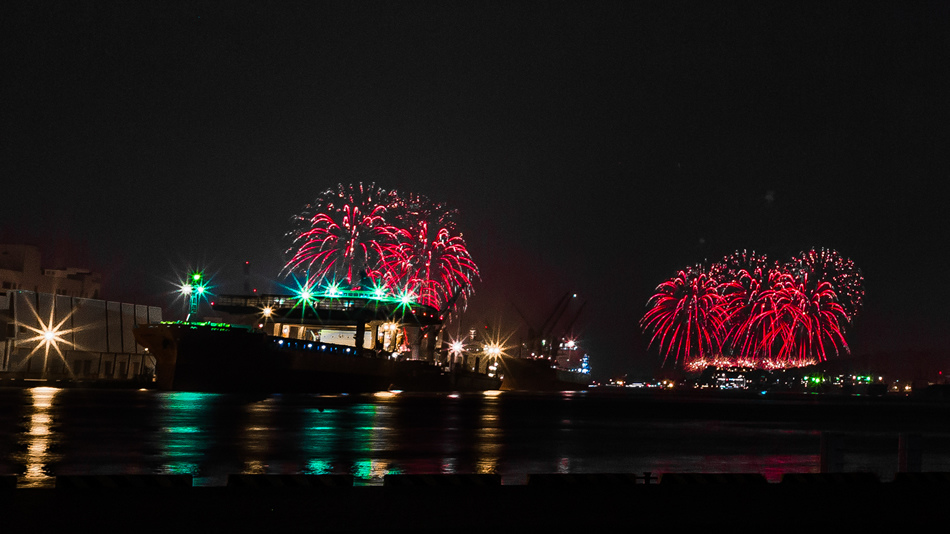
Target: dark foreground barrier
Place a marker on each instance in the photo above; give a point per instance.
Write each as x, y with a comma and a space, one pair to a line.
439, 481
836, 479
922, 478
715, 479
87, 482
290, 481
445, 505
589, 479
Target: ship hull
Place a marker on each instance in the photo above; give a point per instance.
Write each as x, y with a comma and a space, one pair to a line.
215, 359
525, 374
421, 376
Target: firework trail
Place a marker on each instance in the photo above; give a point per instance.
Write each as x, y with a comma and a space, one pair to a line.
687, 317
432, 261
404, 242
757, 312
826, 265
341, 233
805, 322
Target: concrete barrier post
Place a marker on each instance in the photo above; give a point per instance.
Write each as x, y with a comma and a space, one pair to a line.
909, 454
832, 453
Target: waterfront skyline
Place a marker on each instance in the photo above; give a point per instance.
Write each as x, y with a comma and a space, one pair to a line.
589, 149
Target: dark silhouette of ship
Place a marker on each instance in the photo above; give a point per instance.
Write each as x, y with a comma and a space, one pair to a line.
335, 342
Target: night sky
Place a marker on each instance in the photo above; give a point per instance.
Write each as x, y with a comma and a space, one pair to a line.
594, 149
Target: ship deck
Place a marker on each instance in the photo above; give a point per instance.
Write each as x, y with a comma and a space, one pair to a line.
349, 307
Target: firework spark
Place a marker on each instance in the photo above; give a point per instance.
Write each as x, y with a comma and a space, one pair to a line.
687, 317
755, 312
826, 265
343, 233
366, 236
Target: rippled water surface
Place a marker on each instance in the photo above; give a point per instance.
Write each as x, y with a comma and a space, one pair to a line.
46, 432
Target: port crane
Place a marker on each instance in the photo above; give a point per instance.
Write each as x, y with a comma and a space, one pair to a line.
542, 342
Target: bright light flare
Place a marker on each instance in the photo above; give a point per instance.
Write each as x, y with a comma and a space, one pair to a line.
406, 298
49, 336
493, 350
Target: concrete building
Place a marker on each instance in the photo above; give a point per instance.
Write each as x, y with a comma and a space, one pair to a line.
54, 338
21, 268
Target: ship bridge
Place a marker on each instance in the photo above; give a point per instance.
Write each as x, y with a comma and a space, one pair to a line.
357, 319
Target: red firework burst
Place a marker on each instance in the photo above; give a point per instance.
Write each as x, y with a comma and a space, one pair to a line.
432, 260
757, 312
407, 242
804, 321
687, 317
826, 265
343, 232
747, 299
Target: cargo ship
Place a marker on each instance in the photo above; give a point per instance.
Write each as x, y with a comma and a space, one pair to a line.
336, 342
567, 370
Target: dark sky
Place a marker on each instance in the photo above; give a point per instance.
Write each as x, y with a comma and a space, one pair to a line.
590, 148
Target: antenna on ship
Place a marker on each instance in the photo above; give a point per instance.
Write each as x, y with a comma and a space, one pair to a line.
247, 278
194, 288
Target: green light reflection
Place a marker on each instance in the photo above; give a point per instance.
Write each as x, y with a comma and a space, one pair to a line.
185, 430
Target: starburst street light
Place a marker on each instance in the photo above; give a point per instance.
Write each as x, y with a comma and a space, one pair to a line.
49, 335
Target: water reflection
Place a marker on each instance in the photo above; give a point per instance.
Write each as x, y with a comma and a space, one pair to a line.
372, 436
490, 436
73, 431
39, 439
258, 432
185, 431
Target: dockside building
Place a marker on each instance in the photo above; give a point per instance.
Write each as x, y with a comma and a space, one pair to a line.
53, 338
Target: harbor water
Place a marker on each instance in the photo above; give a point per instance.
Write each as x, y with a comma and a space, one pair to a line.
45, 432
